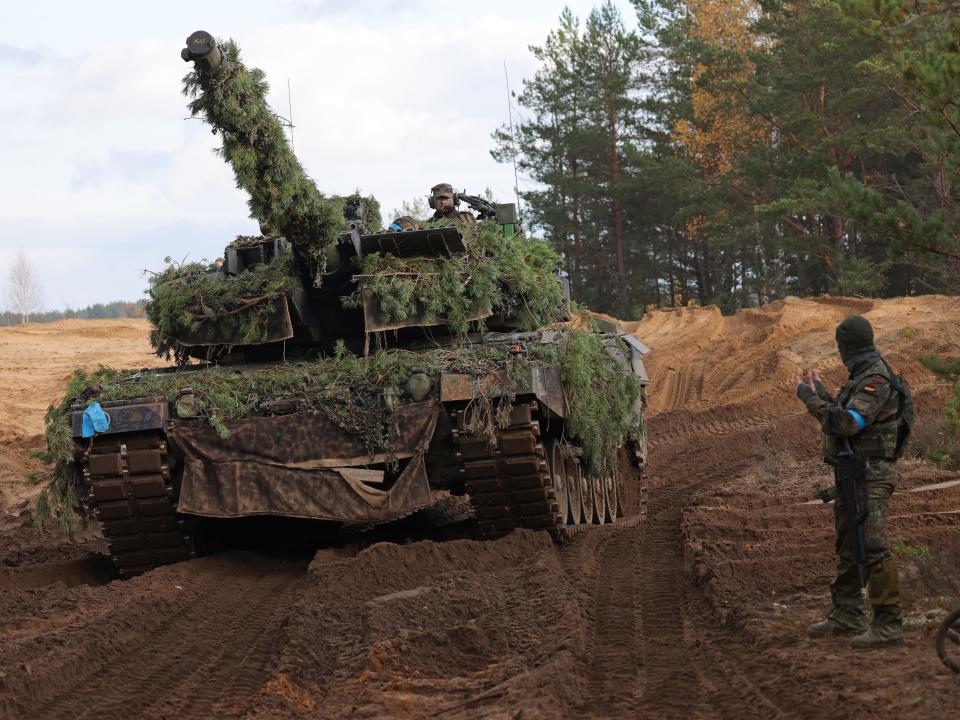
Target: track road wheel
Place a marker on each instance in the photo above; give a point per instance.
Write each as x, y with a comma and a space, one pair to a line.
575, 489
622, 509
586, 495
558, 477
598, 485
611, 498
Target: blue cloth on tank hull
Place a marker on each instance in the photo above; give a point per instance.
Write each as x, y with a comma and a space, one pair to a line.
95, 420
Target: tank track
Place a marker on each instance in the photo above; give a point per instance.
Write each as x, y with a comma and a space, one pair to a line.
132, 493
510, 480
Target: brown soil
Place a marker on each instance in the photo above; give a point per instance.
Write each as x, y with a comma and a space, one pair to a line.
699, 613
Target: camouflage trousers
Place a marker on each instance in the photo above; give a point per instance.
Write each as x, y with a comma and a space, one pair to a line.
883, 581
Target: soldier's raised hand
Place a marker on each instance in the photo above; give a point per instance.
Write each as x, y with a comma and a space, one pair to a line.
805, 386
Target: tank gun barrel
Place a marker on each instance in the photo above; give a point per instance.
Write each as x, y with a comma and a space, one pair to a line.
232, 99
202, 49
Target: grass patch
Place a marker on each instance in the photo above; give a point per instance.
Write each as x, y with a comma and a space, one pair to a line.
948, 454
903, 551
949, 369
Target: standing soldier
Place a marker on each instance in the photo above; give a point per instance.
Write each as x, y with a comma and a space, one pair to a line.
443, 201
868, 414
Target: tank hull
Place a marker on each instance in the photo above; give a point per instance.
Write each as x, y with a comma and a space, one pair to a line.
153, 475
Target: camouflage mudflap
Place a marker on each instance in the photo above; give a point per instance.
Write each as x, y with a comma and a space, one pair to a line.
304, 465
131, 488
277, 324
376, 320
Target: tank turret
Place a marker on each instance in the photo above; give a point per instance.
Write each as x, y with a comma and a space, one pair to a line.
323, 271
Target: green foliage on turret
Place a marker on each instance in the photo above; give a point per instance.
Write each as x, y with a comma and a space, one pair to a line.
511, 276
196, 299
362, 212
232, 98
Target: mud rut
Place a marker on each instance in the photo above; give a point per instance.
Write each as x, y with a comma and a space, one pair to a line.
612, 623
188, 645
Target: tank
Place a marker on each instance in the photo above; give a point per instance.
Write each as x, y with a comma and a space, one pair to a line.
328, 374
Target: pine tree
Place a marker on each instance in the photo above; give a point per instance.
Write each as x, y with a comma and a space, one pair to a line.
915, 204
584, 103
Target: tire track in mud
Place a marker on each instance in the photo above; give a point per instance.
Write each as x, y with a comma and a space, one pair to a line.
671, 682
615, 676
200, 659
682, 425
694, 666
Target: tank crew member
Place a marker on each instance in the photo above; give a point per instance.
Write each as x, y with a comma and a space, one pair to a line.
867, 414
402, 223
443, 201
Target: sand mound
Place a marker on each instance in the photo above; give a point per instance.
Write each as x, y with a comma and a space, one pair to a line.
701, 359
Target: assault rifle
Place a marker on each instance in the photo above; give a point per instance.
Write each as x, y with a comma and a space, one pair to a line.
850, 473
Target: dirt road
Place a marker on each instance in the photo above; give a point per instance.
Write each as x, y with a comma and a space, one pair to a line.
698, 613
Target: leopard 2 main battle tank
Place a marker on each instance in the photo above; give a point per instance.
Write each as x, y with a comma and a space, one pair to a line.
326, 371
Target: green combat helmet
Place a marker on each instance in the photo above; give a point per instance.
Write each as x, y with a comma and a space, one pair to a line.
404, 223
348, 376
442, 190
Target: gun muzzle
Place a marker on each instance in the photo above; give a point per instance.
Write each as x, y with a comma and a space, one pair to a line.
203, 51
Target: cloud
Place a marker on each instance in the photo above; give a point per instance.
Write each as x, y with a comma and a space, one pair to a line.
10, 54
130, 166
328, 9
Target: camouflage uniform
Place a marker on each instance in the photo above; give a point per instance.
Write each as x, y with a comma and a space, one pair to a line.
461, 217
865, 413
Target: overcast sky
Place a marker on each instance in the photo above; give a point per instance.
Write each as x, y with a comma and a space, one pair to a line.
103, 176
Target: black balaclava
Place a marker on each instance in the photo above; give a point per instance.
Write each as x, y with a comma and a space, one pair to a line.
855, 342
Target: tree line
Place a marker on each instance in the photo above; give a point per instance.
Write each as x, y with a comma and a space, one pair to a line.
97, 311
737, 151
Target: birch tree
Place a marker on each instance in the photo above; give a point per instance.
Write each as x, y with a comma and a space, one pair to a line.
24, 292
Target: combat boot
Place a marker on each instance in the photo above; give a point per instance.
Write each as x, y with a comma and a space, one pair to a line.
878, 636
833, 626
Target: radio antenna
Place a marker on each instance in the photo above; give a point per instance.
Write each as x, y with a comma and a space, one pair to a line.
513, 139
290, 114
